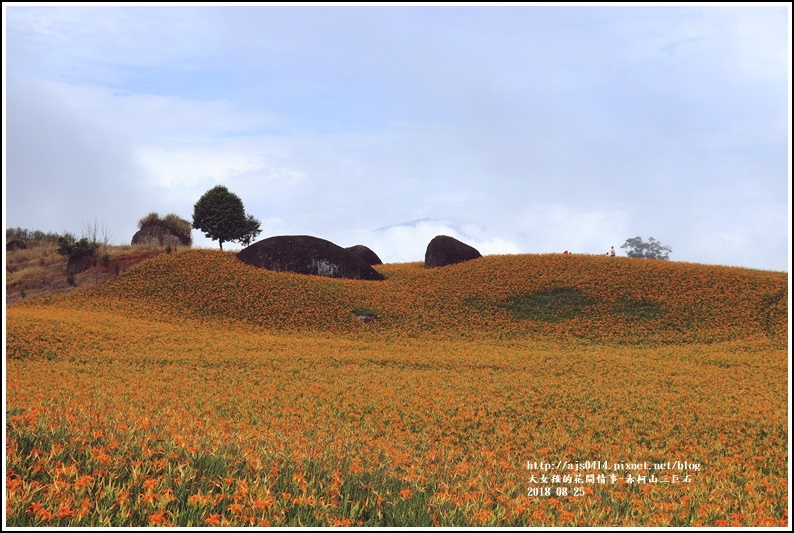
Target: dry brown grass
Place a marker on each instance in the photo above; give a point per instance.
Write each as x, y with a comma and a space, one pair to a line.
40, 271
41, 253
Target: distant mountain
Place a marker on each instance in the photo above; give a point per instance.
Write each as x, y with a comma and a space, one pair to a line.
428, 220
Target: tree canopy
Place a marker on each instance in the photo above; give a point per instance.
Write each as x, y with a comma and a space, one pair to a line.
221, 216
653, 249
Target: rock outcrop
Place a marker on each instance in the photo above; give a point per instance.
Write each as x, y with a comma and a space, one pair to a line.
158, 236
15, 244
444, 250
304, 254
77, 264
365, 254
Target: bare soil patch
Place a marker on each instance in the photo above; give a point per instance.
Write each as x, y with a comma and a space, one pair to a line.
46, 278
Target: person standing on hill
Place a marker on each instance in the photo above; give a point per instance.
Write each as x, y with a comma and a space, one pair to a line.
612, 252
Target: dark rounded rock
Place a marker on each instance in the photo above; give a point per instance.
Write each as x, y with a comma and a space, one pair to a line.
365, 254
77, 264
304, 254
156, 235
444, 250
15, 244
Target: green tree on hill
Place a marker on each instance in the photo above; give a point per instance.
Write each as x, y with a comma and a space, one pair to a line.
652, 249
220, 215
70, 247
251, 230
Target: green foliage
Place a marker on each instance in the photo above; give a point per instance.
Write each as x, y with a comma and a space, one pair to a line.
251, 230
148, 220
23, 234
171, 223
549, 305
220, 215
27, 235
564, 303
365, 311
641, 309
81, 248
652, 249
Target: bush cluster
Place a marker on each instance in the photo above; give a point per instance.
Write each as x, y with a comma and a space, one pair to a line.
81, 248
171, 223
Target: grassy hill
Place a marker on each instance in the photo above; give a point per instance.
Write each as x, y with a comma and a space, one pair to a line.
39, 270
194, 390
594, 298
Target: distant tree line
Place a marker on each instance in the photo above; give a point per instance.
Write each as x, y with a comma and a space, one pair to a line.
23, 234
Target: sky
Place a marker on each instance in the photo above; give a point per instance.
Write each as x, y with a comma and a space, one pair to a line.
516, 129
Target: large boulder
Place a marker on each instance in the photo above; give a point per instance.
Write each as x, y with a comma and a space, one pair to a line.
155, 235
444, 250
77, 264
304, 254
15, 244
365, 254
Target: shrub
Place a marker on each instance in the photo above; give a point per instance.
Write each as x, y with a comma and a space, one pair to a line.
81, 248
549, 305
365, 311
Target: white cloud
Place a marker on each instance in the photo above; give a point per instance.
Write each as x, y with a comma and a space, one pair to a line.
103, 42
204, 164
143, 117
756, 41
403, 243
497, 245
745, 239
538, 130
193, 166
558, 227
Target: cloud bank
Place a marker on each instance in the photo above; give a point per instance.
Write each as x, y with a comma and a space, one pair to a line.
521, 129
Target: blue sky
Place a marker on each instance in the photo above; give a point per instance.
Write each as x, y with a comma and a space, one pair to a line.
519, 129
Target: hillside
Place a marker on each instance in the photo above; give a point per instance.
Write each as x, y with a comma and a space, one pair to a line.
40, 271
194, 390
595, 298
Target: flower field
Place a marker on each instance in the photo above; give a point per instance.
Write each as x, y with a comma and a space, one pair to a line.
527, 390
